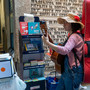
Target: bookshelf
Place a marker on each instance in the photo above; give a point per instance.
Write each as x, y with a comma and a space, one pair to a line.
33, 54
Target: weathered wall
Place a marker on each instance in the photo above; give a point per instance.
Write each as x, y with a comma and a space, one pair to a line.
21, 7
48, 10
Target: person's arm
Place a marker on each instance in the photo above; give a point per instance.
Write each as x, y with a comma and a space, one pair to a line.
51, 45
61, 49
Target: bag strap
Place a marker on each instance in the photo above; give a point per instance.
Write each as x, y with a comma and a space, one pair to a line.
75, 55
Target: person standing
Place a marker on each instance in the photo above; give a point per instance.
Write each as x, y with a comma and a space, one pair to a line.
73, 74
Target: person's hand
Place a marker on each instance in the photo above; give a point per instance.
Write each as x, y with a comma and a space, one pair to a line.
45, 38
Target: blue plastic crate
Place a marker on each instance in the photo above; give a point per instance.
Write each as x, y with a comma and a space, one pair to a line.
50, 84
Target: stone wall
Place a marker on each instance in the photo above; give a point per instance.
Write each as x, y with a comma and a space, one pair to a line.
48, 10
21, 7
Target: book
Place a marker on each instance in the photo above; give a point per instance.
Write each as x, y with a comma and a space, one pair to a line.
24, 28
33, 73
33, 28
34, 62
29, 47
40, 62
27, 64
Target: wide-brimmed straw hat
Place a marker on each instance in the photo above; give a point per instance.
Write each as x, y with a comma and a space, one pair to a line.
70, 18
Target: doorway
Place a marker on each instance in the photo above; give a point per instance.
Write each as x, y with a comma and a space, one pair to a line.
6, 25
2, 23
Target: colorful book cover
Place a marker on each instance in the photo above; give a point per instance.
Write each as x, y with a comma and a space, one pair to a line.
33, 73
33, 28
24, 28
29, 47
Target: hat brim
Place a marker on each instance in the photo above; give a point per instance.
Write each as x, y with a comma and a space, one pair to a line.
61, 20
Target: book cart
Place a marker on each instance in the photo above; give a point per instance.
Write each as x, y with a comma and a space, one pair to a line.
33, 53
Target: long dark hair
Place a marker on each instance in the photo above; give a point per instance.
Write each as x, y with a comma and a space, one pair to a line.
75, 27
